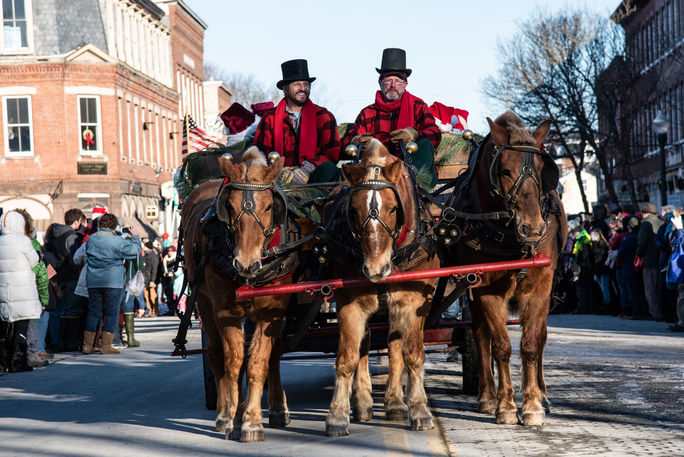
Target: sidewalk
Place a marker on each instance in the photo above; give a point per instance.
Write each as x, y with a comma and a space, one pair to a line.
615, 387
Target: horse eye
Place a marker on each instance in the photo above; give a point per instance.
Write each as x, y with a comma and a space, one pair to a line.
506, 173
393, 210
268, 208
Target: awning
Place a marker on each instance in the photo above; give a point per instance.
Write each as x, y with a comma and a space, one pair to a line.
144, 230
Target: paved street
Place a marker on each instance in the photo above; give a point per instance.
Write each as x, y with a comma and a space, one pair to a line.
616, 387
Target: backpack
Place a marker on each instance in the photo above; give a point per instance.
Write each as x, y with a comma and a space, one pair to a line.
675, 266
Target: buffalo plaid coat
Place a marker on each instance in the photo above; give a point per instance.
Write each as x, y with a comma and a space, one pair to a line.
327, 141
380, 124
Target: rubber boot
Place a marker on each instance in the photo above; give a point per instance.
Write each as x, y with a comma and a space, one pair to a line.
88, 342
130, 331
107, 348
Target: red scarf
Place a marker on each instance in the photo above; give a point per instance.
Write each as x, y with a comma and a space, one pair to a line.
308, 134
405, 105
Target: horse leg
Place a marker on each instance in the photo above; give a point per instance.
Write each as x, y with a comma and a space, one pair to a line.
233, 354
412, 320
352, 322
496, 314
362, 398
278, 414
267, 330
533, 321
542, 384
483, 339
395, 408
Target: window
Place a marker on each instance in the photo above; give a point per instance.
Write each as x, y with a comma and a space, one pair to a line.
17, 116
16, 25
89, 124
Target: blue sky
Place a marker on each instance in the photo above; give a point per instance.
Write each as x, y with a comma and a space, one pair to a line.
450, 45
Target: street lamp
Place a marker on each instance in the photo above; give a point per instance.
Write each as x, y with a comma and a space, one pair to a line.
661, 125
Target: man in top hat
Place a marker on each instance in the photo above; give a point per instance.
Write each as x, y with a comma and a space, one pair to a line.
304, 133
398, 116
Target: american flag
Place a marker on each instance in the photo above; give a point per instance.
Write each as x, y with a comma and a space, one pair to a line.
194, 138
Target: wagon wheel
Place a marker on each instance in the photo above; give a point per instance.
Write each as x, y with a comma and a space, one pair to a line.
470, 363
210, 394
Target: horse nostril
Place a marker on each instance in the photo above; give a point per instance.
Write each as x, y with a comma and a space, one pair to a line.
364, 270
387, 269
525, 230
237, 265
255, 267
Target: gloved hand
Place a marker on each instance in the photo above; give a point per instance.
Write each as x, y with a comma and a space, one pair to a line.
362, 139
307, 167
406, 135
299, 176
286, 175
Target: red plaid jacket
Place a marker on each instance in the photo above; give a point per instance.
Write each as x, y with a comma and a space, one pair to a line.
379, 123
327, 141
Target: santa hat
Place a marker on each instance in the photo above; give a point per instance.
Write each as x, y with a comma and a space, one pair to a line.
98, 211
237, 118
260, 108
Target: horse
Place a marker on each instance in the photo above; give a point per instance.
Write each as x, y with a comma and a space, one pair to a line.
252, 215
380, 228
506, 208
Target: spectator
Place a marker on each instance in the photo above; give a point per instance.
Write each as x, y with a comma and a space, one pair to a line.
62, 244
37, 327
626, 255
623, 288
128, 307
599, 256
152, 260
647, 250
168, 276
19, 300
582, 256
105, 254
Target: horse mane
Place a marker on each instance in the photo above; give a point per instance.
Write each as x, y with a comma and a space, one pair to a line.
254, 154
517, 131
375, 153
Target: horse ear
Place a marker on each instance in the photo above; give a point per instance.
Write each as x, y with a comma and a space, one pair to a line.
393, 171
499, 134
540, 133
229, 170
353, 174
274, 169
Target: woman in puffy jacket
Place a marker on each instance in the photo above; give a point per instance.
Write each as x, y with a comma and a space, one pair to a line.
19, 301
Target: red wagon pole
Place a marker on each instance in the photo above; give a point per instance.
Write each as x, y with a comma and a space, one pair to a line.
327, 287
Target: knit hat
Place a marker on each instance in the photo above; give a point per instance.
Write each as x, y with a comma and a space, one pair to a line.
648, 207
98, 211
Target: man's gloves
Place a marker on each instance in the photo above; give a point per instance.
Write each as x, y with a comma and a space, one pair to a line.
406, 135
362, 139
297, 175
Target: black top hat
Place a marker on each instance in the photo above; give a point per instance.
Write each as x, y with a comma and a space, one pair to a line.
394, 60
294, 70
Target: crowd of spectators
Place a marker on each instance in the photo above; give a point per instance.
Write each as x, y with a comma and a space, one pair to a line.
81, 289
625, 264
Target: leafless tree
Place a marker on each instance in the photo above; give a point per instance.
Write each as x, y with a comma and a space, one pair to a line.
571, 67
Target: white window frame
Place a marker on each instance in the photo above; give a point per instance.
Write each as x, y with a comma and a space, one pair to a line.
28, 49
98, 137
5, 123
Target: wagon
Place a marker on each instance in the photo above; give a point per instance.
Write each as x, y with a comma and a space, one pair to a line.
310, 325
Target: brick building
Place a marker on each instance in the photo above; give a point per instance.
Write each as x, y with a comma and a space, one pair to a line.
654, 39
93, 97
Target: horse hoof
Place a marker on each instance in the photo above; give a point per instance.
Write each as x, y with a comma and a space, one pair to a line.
507, 417
487, 407
533, 419
279, 419
233, 435
336, 430
224, 425
363, 414
399, 413
422, 423
252, 436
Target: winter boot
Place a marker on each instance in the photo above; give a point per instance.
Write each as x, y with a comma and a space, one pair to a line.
130, 331
19, 359
88, 342
107, 348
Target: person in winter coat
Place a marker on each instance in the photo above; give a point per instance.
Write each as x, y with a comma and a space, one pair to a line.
625, 256
167, 279
105, 253
599, 255
19, 301
646, 249
152, 260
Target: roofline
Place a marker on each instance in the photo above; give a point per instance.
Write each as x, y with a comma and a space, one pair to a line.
153, 9
187, 9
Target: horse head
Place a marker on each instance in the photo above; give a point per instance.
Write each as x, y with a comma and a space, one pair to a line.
250, 205
521, 173
375, 207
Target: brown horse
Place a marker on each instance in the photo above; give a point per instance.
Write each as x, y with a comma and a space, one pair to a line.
509, 209
246, 208
384, 226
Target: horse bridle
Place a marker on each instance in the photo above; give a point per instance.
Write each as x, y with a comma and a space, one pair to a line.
375, 184
526, 170
247, 205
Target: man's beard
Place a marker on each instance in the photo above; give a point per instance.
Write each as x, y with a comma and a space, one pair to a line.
391, 95
295, 101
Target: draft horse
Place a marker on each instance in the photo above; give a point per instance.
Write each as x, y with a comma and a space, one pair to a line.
507, 207
219, 257
380, 227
